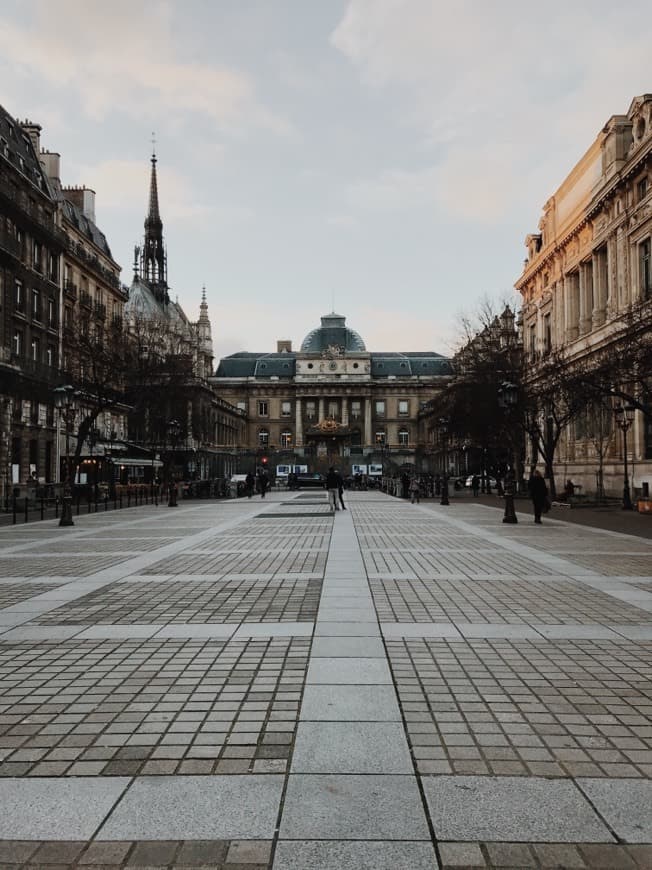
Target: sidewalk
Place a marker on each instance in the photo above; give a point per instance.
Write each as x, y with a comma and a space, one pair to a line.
260, 683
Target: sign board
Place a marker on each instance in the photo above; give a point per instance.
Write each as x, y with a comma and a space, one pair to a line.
375, 470
358, 469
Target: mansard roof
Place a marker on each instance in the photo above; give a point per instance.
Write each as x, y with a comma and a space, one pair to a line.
333, 332
19, 151
85, 226
257, 365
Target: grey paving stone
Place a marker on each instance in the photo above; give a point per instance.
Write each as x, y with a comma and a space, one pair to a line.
43, 632
351, 747
337, 671
197, 629
273, 629
583, 632
346, 614
634, 632
353, 808
419, 629
506, 630
56, 808
197, 808
346, 629
511, 808
314, 855
345, 647
118, 631
626, 804
350, 704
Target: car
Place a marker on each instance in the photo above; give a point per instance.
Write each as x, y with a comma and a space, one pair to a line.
493, 483
310, 479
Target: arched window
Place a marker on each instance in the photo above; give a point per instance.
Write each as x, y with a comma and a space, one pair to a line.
403, 437
263, 438
286, 438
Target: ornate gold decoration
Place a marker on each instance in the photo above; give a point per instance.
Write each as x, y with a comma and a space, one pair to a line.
328, 425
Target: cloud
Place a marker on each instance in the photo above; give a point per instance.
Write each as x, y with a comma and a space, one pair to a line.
124, 185
122, 56
506, 99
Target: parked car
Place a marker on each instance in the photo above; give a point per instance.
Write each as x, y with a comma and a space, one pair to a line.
310, 479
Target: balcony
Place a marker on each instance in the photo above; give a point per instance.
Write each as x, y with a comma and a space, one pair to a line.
100, 311
9, 243
70, 289
86, 299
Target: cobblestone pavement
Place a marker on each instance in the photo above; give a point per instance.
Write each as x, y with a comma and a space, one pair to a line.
259, 684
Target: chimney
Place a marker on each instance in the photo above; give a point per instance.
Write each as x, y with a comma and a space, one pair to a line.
284, 346
51, 163
83, 198
34, 133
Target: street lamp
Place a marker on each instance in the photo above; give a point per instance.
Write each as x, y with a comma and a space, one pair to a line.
507, 399
443, 428
624, 415
64, 400
174, 430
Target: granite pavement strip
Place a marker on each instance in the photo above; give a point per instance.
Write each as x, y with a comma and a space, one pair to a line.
467, 694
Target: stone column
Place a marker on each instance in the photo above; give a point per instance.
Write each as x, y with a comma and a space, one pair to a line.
345, 411
368, 440
599, 289
320, 412
586, 298
298, 425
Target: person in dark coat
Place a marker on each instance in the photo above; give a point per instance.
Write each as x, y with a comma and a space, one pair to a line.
340, 488
263, 483
475, 485
538, 494
333, 487
250, 484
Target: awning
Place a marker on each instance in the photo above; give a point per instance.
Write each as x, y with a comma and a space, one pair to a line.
137, 463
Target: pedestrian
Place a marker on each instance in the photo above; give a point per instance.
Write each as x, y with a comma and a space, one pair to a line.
538, 494
333, 487
340, 489
250, 484
263, 483
414, 490
475, 485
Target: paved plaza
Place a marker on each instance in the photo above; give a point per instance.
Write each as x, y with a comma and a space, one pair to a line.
261, 683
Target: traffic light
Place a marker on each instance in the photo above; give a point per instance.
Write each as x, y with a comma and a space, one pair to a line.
264, 460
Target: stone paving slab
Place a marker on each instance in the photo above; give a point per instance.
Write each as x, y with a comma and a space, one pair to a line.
350, 671
351, 807
196, 807
45, 809
625, 804
368, 855
349, 703
351, 747
512, 809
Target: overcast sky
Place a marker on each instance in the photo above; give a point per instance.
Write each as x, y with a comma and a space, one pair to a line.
384, 158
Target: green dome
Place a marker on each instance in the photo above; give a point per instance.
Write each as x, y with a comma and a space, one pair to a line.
333, 332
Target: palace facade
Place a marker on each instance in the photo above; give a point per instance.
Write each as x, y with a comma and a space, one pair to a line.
332, 401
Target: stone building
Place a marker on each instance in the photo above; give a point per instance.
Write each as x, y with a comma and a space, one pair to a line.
332, 401
586, 267
210, 428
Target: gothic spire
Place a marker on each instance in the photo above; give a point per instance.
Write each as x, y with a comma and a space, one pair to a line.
153, 268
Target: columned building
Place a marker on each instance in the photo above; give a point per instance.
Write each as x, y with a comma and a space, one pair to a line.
589, 264
332, 401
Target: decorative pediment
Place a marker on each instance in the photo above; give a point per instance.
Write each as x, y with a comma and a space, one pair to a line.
640, 114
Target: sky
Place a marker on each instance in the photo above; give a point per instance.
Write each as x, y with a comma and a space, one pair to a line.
381, 158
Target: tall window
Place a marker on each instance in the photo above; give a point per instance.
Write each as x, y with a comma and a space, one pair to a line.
547, 333
355, 409
310, 410
50, 356
380, 408
35, 350
17, 343
533, 343
380, 437
403, 407
38, 253
403, 438
286, 409
645, 267
332, 409
263, 438
286, 438
263, 409
36, 304
19, 299
52, 312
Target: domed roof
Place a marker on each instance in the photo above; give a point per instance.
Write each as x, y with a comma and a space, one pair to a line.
333, 332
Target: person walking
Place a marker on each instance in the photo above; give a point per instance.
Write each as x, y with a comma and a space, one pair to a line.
263, 483
333, 487
250, 484
538, 494
475, 485
414, 490
340, 489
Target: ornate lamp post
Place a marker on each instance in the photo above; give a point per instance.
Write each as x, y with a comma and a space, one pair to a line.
64, 399
507, 399
624, 415
174, 430
443, 428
